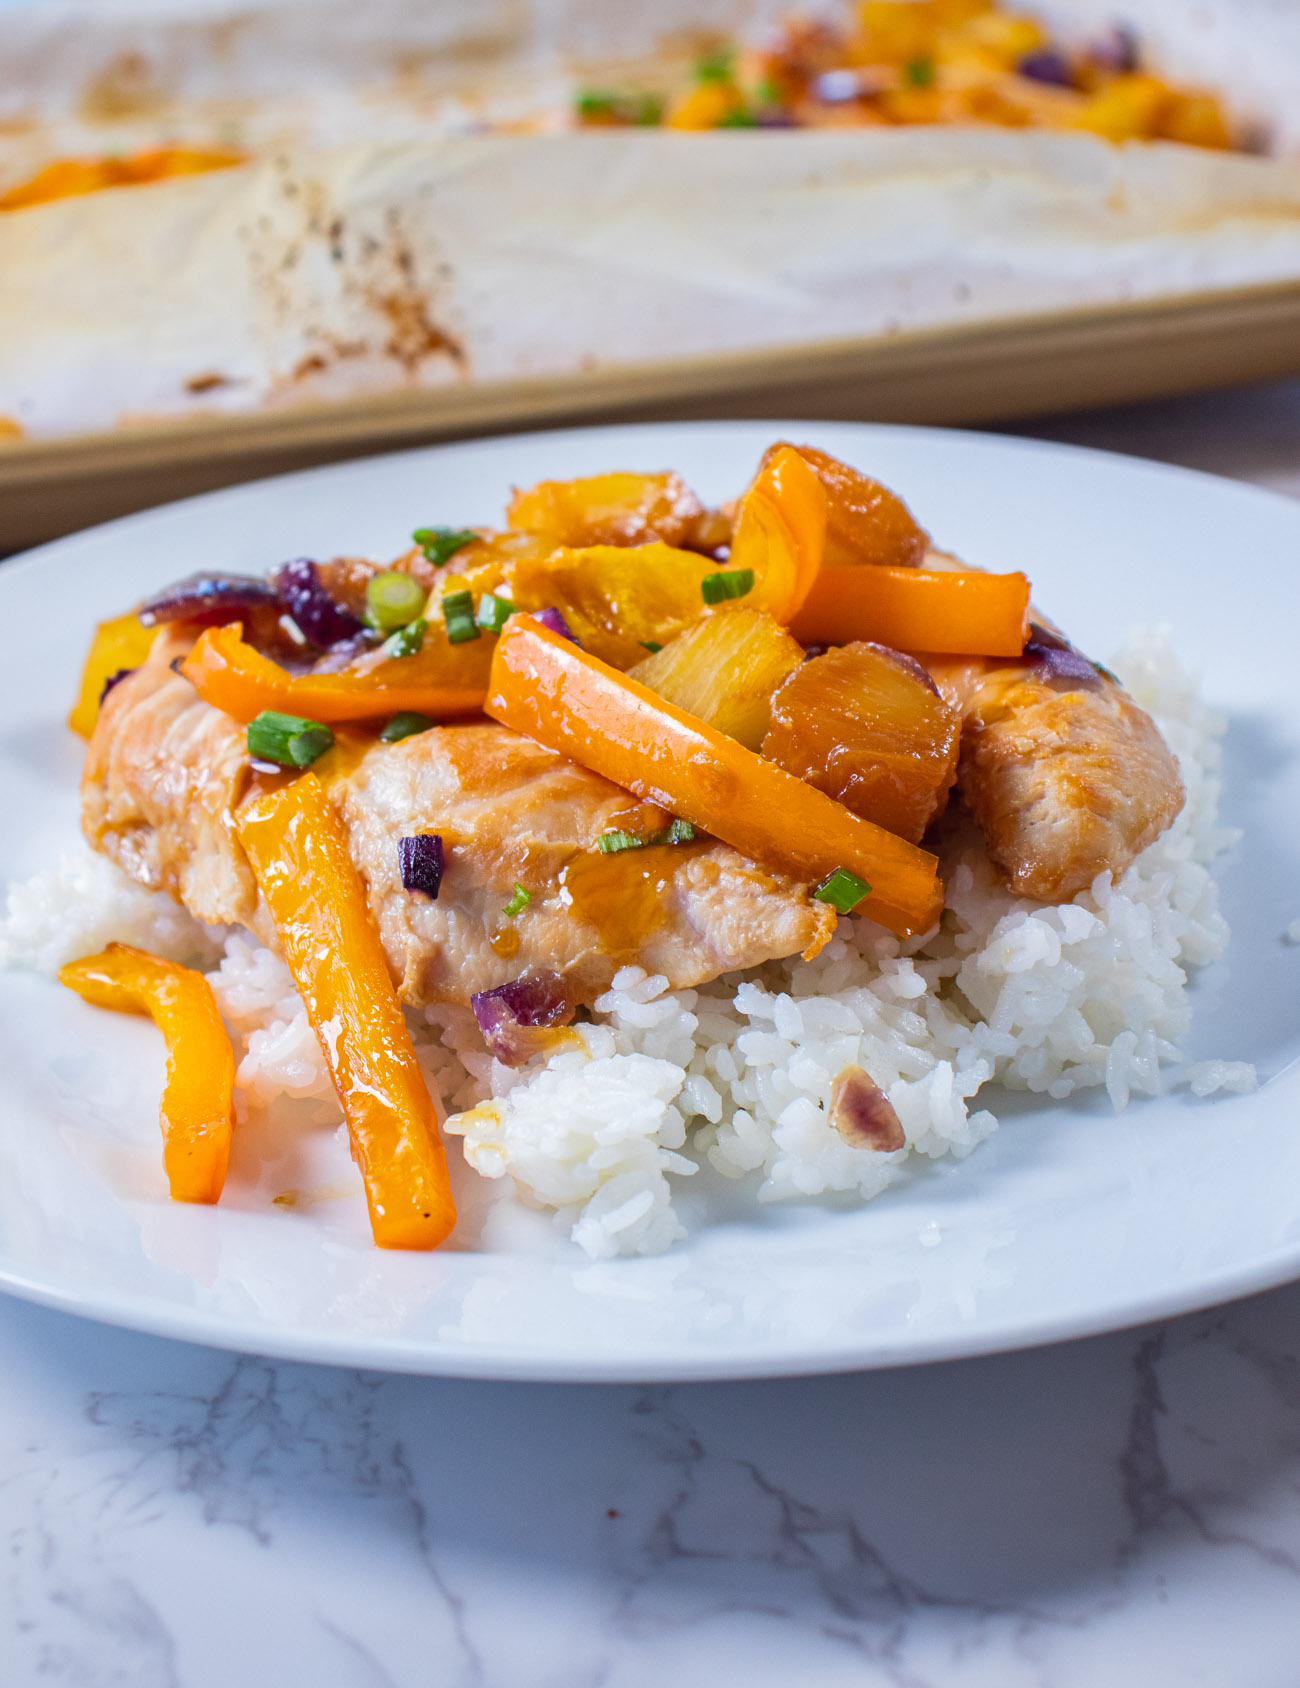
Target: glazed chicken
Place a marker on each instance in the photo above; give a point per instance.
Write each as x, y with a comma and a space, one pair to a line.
165, 770
1061, 770
1064, 774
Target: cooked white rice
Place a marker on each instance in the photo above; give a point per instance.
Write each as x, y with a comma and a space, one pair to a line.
1052, 999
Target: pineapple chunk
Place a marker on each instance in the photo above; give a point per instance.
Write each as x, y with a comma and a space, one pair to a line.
609, 510
724, 669
865, 725
616, 598
865, 522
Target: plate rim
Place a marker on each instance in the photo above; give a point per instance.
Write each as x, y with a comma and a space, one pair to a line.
1164, 343
494, 1362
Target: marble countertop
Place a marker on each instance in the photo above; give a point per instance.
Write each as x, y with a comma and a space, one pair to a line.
1123, 1511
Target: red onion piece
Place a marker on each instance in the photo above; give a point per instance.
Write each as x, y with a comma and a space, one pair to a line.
862, 1113
552, 619
319, 618
836, 87
1049, 640
511, 1016
209, 599
1062, 667
1116, 51
113, 680
1047, 65
421, 862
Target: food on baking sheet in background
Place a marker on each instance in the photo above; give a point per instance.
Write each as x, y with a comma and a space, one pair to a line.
887, 62
422, 210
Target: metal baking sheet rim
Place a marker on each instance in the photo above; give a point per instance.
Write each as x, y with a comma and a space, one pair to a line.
966, 373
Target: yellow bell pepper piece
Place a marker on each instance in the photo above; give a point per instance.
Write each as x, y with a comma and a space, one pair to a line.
616, 598
121, 643
195, 1112
707, 106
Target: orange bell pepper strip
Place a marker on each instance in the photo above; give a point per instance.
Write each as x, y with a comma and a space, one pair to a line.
69, 178
780, 533
966, 613
196, 1113
543, 685
440, 680
121, 643
298, 851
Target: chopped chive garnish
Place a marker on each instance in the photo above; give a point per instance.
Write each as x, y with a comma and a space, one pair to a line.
717, 66
919, 73
394, 599
676, 832
727, 583
458, 613
639, 109
610, 842
652, 645
407, 640
290, 740
440, 543
493, 612
518, 902
842, 890
404, 724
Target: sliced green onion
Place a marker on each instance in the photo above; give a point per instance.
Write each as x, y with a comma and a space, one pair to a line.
727, 583
588, 103
676, 832
610, 842
651, 645
842, 890
394, 599
639, 109
493, 612
717, 66
404, 724
407, 640
289, 740
440, 543
519, 901
458, 613
919, 73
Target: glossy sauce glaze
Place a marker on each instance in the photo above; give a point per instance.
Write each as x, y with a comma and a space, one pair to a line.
624, 896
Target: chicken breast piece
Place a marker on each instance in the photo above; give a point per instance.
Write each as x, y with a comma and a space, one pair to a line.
1064, 779
165, 771
511, 812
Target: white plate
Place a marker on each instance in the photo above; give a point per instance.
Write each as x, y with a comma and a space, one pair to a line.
1070, 1220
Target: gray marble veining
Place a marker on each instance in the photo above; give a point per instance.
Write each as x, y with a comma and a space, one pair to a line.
1124, 1510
